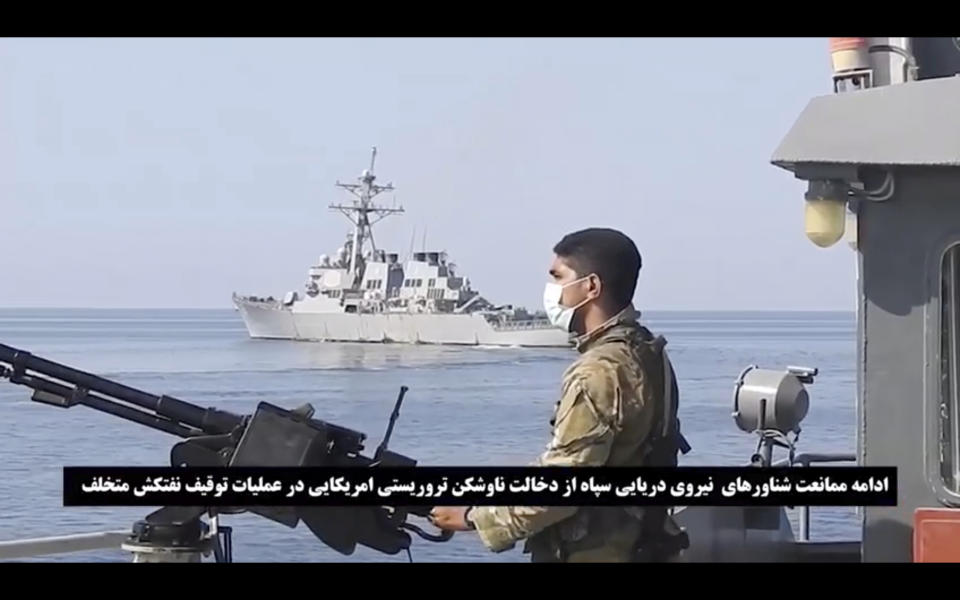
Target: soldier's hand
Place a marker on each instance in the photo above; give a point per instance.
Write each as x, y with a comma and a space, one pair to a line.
450, 518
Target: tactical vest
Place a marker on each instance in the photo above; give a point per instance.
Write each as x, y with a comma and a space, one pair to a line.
666, 440
659, 537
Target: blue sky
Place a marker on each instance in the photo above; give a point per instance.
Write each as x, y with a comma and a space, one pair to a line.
172, 172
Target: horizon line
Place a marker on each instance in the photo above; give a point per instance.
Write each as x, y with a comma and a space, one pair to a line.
641, 310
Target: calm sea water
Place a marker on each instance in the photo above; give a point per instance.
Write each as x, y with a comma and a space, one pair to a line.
465, 406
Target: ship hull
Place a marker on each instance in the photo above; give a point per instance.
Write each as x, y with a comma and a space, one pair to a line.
276, 322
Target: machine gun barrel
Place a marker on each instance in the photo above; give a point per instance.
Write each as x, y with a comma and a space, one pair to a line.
175, 416
271, 436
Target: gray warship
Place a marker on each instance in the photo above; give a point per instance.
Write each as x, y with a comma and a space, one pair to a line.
880, 158
366, 294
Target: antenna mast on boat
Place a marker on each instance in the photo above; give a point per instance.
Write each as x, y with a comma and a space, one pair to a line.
359, 212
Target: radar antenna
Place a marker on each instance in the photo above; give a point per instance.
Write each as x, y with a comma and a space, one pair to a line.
359, 212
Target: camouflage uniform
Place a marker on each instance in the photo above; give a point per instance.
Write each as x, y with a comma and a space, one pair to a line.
608, 414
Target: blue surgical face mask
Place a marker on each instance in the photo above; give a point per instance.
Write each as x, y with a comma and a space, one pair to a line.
560, 316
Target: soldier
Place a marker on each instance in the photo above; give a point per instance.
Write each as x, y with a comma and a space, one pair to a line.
617, 408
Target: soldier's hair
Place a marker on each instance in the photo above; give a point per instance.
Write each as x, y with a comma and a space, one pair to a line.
608, 253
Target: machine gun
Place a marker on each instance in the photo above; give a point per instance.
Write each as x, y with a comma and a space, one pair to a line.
271, 437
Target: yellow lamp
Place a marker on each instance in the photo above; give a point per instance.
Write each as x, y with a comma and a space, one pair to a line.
825, 213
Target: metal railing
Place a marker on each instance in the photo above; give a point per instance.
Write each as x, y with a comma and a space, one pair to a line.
521, 325
62, 544
215, 539
805, 460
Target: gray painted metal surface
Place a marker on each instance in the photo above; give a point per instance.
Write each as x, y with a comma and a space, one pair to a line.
901, 242
908, 124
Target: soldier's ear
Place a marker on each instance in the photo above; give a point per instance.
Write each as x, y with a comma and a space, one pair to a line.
594, 286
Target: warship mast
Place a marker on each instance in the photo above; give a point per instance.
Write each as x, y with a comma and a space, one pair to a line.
359, 212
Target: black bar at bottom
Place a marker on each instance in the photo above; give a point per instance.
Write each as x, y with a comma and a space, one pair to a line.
461, 486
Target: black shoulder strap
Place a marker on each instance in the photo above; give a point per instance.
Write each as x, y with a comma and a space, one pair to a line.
672, 403
666, 441
670, 438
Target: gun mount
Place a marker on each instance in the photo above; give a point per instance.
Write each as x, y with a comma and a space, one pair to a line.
271, 437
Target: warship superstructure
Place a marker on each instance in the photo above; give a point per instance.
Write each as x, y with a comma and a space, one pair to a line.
366, 294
